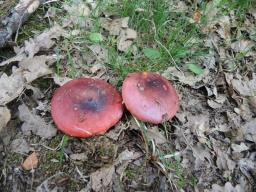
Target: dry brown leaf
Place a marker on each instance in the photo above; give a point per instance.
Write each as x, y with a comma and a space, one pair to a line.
201, 154
114, 26
60, 80
102, 178
5, 116
153, 133
36, 67
79, 157
29, 70
35, 124
126, 38
197, 16
78, 12
20, 145
239, 148
228, 187
242, 46
188, 79
31, 162
242, 85
44, 41
249, 130
224, 28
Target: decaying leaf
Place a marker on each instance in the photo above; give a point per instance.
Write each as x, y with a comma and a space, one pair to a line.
188, 79
20, 145
29, 70
78, 12
79, 157
31, 162
102, 178
36, 67
44, 41
228, 187
35, 124
5, 116
239, 148
11, 86
201, 154
114, 26
242, 85
249, 130
126, 38
60, 80
119, 27
242, 46
154, 134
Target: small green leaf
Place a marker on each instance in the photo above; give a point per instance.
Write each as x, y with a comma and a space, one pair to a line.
151, 53
95, 37
195, 69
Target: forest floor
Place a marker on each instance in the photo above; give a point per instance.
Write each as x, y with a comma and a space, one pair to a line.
207, 49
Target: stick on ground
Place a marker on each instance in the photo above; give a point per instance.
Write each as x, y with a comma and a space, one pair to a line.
18, 15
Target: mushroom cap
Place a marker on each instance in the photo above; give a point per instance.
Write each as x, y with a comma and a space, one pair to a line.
150, 97
86, 107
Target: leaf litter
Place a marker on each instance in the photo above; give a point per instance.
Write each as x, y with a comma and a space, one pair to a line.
214, 131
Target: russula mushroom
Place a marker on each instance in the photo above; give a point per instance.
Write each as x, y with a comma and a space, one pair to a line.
150, 97
86, 107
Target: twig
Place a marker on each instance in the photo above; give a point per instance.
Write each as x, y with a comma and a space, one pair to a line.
19, 14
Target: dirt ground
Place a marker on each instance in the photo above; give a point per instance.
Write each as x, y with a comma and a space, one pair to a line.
206, 49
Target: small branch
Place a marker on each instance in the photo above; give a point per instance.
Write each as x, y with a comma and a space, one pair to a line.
20, 13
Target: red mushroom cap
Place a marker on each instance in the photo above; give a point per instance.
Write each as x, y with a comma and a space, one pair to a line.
150, 97
86, 107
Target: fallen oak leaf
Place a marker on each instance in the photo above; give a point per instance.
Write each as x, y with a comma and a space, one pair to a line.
29, 70
31, 162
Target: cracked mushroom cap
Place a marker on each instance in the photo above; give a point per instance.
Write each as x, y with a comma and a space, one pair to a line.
86, 107
150, 97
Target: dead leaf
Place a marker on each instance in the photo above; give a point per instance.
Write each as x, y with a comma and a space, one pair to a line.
249, 131
44, 41
197, 16
239, 148
127, 155
5, 116
35, 124
201, 154
200, 126
153, 133
242, 85
60, 80
116, 131
228, 187
188, 79
102, 178
31, 162
100, 53
242, 46
78, 12
21, 146
224, 28
11, 86
114, 26
126, 39
36, 67
29, 70
79, 157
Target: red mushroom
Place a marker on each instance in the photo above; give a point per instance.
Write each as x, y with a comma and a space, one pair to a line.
86, 107
150, 97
